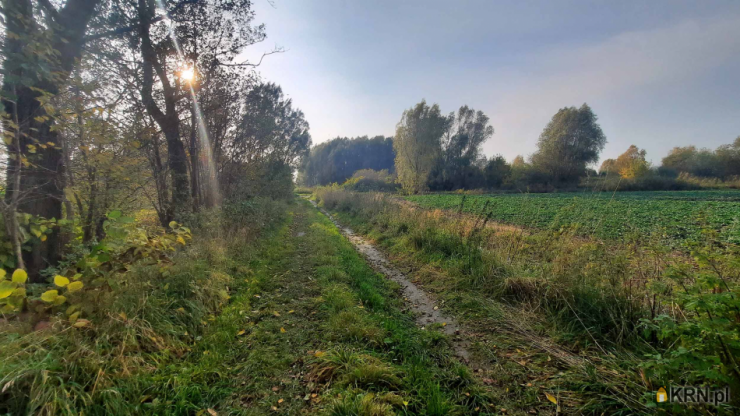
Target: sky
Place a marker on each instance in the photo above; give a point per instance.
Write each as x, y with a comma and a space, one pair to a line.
658, 74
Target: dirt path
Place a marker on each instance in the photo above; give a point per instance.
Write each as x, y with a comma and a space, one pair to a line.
420, 303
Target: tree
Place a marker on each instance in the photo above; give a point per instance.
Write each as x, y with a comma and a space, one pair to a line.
571, 140
418, 145
38, 58
461, 162
680, 159
270, 141
608, 167
338, 159
496, 171
728, 156
632, 164
698, 162
518, 162
270, 128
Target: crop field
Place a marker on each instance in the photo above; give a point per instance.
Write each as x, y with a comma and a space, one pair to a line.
676, 215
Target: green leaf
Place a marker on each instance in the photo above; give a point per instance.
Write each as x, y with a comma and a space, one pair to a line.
114, 214
19, 276
173, 224
73, 317
3, 273
50, 296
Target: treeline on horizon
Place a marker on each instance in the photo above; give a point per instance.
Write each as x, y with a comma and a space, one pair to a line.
436, 152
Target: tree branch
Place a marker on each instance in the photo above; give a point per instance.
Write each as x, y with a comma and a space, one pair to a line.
130, 28
46, 5
245, 64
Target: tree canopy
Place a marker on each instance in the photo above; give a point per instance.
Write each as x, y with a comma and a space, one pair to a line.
338, 159
418, 144
570, 141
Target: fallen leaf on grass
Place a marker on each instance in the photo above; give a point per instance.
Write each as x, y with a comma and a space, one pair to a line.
282, 330
242, 332
551, 398
212, 412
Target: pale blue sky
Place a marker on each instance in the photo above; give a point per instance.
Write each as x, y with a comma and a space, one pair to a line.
657, 73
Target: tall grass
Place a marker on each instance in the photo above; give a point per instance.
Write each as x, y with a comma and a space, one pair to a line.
147, 317
630, 296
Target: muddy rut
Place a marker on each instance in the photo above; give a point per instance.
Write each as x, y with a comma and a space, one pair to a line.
420, 303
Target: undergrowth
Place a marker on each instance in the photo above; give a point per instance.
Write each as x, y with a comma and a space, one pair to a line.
149, 313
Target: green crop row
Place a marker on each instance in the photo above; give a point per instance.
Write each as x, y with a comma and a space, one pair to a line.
671, 216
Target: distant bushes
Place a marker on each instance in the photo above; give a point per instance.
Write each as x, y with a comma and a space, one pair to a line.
367, 180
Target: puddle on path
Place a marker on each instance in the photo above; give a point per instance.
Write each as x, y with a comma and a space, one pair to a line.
426, 312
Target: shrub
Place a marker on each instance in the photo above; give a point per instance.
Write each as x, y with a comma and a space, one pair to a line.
368, 180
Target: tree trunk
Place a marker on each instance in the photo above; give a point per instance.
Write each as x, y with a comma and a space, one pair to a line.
194, 168
167, 120
42, 168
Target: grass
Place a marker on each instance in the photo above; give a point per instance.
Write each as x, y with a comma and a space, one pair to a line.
293, 322
550, 310
674, 216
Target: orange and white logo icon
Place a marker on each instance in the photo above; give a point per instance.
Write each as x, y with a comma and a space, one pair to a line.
662, 396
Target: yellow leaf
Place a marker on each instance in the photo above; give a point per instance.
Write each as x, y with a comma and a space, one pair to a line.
19, 276
43, 237
291, 311
75, 286
49, 296
405, 403
276, 313
6, 289
2, 274
123, 316
242, 332
319, 354
551, 398
81, 323
280, 401
59, 300
61, 281
180, 240
282, 329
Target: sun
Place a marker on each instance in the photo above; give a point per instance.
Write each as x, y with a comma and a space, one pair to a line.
187, 74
